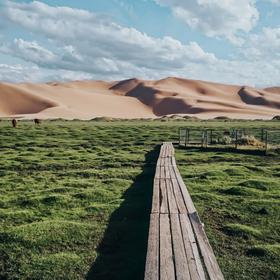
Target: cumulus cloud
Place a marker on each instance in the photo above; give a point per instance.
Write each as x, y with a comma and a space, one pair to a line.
26, 73
77, 44
216, 18
264, 45
99, 44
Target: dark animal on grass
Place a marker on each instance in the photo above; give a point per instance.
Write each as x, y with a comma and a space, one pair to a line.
37, 121
14, 122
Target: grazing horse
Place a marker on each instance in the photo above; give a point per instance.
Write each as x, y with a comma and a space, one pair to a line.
14, 122
37, 121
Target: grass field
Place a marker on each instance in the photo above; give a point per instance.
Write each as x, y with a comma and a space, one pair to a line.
76, 196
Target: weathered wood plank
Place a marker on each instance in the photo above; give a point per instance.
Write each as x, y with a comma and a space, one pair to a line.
178, 197
152, 259
162, 172
161, 151
191, 249
213, 269
180, 258
163, 197
173, 160
171, 199
157, 174
187, 198
172, 172
167, 172
167, 271
172, 150
164, 150
156, 196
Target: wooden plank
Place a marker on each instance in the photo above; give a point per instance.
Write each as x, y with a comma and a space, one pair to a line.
173, 161
171, 198
172, 150
155, 201
152, 259
167, 172
191, 249
162, 172
178, 197
180, 258
172, 172
187, 198
163, 150
167, 150
163, 197
167, 271
157, 174
170, 161
211, 264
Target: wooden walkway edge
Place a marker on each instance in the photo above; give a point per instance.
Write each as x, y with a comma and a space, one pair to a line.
178, 247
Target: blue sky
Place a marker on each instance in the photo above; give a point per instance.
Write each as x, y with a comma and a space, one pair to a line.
230, 41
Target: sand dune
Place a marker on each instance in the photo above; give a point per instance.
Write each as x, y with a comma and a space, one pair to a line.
135, 98
273, 90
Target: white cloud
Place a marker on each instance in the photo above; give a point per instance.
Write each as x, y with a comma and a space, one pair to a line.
77, 44
264, 45
27, 73
84, 41
215, 17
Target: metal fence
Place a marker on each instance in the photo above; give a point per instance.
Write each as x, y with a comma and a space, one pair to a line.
241, 138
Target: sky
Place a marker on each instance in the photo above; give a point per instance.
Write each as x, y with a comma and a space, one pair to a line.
229, 41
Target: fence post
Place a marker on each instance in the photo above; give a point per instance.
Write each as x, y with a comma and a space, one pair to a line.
179, 134
186, 137
202, 138
262, 135
266, 141
211, 137
206, 139
236, 138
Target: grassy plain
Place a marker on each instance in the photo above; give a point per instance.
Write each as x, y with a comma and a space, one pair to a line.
76, 196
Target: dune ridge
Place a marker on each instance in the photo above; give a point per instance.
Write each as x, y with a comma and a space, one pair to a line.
134, 98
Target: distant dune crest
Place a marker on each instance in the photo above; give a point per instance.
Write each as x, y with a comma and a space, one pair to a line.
135, 98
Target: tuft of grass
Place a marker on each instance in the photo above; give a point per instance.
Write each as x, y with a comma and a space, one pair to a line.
255, 184
242, 230
265, 250
236, 191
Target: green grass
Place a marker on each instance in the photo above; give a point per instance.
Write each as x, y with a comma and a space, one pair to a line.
76, 197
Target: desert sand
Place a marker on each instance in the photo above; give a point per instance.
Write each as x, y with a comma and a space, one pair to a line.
135, 98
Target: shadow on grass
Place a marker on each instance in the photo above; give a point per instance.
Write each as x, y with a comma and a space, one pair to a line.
224, 150
122, 252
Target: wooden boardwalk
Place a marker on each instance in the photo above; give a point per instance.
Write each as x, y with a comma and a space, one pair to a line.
178, 247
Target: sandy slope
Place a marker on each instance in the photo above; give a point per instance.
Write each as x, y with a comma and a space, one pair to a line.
137, 99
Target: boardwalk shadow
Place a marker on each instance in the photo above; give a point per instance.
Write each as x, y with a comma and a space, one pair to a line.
122, 252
